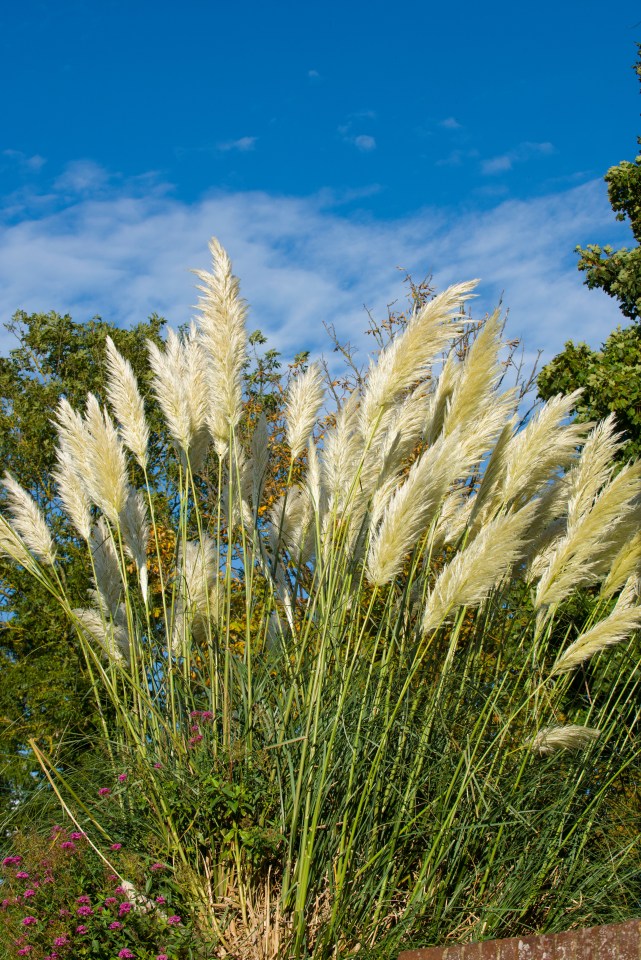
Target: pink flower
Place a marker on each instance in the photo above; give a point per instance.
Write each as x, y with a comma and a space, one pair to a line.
160, 900
83, 899
122, 777
206, 715
113, 877
126, 954
28, 921
49, 879
11, 861
116, 846
61, 941
25, 951
5, 904
158, 866
124, 909
51, 956
29, 893
81, 929
64, 912
104, 791
162, 956
174, 920
84, 912
21, 875
109, 902
76, 835
120, 890
194, 714
158, 766
68, 845
116, 925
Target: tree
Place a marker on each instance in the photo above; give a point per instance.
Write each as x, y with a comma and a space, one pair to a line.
610, 377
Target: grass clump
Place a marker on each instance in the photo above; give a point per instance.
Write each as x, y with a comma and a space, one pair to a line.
358, 717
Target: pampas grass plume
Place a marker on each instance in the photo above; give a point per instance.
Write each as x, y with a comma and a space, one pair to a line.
127, 404
304, 400
28, 521
625, 618
571, 737
478, 569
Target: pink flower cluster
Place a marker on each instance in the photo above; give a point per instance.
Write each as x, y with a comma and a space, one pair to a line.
11, 861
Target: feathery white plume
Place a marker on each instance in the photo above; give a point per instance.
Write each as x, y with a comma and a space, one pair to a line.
28, 521
221, 321
571, 737
412, 508
617, 626
72, 492
576, 559
537, 453
127, 403
13, 547
304, 400
407, 359
106, 481
472, 574
111, 637
170, 387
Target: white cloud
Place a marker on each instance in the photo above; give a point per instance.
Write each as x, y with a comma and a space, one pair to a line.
32, 164
456, 157
124, 253
243, 144
521, 153
451, 123
313, 74
82, 177
365, 143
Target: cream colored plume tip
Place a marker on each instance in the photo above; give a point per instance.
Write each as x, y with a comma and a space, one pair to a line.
570, 737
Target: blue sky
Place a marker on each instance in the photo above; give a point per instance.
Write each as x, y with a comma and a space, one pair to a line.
326, 144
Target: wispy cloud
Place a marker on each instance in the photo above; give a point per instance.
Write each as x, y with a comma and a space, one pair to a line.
244, 144
450, 123
124, 253
82, 177
22, 160
457, 157
524, 151
364, 143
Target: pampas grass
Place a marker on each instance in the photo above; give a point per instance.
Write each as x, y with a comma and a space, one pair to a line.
347, 697
127, 404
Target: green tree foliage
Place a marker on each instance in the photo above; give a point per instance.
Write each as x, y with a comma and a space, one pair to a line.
611, 377
44, 682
